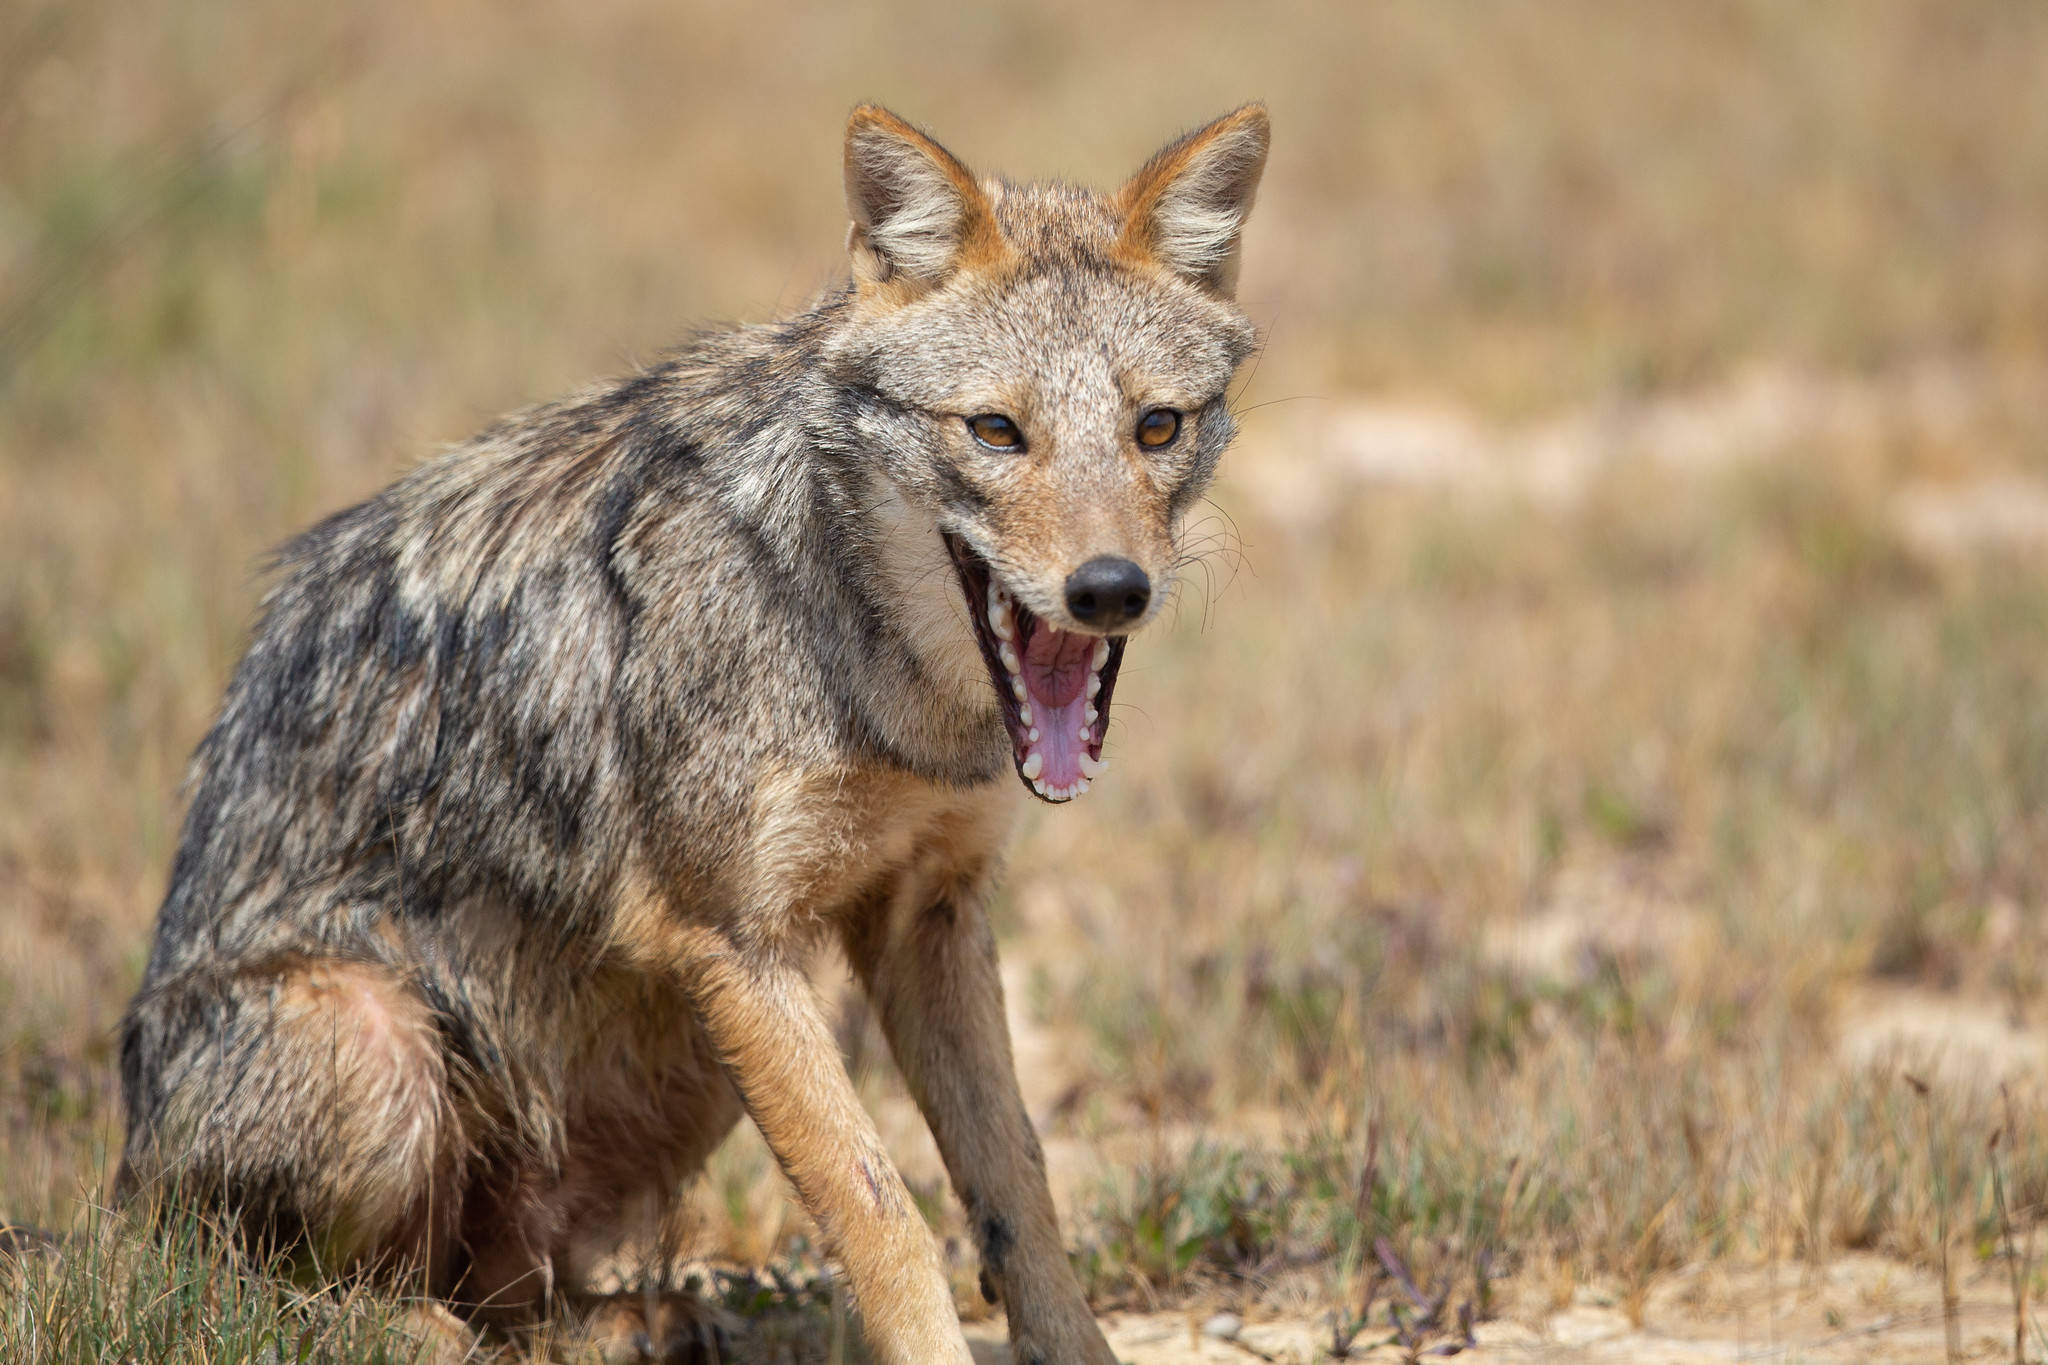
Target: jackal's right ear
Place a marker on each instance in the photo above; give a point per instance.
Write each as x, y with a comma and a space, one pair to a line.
1185, 208
917, 212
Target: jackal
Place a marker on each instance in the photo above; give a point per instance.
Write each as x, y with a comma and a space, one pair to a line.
548, 766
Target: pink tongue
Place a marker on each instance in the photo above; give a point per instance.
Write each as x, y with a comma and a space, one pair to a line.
1056, 667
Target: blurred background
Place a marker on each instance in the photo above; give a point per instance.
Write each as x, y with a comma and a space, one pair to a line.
1606, 744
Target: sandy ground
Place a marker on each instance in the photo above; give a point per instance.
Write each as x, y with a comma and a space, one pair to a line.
1857, 1309
1325, 448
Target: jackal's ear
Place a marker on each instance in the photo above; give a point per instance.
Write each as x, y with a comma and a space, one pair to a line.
1186, 207
917, 212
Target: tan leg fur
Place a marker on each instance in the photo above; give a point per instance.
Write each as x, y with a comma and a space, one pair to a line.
928, 961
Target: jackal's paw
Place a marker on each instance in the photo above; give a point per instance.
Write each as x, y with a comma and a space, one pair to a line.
1078, 1342
438, 1337
662, 1329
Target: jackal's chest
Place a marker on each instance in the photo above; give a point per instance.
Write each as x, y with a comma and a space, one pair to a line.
827, 837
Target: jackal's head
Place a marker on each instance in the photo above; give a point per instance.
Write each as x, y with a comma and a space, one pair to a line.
1040, 372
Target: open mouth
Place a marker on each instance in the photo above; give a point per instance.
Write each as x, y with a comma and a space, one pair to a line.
1053, 685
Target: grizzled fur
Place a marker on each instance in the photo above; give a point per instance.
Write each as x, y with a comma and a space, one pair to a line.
547, 765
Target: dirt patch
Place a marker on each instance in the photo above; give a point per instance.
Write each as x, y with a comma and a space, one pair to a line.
1943, 1031
1856, 1309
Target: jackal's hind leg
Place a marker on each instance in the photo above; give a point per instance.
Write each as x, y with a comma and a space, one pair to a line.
308, 1102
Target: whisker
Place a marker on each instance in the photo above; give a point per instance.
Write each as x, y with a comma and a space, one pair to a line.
1275, 402
1258, 359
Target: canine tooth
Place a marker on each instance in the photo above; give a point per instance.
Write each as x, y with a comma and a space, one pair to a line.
1034, 764
1009, 657
1092, 768
1024, 714
999, 618
1101, 653
1094, 686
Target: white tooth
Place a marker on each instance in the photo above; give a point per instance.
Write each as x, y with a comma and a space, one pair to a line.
1039, 787
1084, 734
995, 599
1034, 764
1094, 686
1090, 714
1092, 768
1033, 735
1101, 653
1000, 623
1024, 714
1009, 657
1080, 786
1017, 690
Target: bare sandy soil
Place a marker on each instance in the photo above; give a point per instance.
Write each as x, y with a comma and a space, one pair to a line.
1859, 1309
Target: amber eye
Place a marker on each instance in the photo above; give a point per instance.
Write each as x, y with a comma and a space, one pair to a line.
996, 431
1158, 426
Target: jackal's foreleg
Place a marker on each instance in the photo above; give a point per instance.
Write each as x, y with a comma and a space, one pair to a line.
929, 965
761, 1012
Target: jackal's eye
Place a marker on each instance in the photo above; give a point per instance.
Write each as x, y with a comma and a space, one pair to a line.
996, 431
1158, 426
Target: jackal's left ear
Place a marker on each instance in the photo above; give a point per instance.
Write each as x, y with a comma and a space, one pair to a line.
917, 212
1186, 206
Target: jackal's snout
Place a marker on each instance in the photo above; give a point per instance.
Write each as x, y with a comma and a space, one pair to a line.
1108, 592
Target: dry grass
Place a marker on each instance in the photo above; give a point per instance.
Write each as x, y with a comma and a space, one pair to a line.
185, 1299
1555, 834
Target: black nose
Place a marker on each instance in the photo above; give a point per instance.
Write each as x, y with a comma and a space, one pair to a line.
1107, 592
